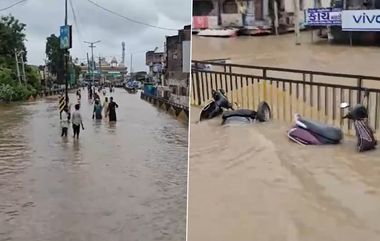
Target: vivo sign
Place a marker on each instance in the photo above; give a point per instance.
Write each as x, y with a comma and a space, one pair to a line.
361, 20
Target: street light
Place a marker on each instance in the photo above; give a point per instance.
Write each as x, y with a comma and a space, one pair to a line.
92, 57
17, 54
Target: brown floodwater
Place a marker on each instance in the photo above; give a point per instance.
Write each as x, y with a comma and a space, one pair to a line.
281, 51
249, 182
123, 181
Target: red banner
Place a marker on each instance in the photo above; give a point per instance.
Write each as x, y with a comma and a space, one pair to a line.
200, 22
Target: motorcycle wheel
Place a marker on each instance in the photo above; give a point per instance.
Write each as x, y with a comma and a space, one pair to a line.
263, 112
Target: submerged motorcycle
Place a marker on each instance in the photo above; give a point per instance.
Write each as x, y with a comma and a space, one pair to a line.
306, 132
216, 106
222, 106
364, 133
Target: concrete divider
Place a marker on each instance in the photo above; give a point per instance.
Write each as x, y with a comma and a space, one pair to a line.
179, 111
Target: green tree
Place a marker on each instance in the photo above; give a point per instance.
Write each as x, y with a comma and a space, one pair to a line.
12, 37
55, 57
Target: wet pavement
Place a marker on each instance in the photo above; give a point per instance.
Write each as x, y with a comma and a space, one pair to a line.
249, 182
123, 181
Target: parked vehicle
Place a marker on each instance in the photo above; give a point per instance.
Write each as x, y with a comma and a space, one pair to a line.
263, 114
220, 105
216, 106
306, 132
364, 133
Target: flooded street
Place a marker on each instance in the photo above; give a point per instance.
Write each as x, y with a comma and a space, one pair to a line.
249, 182
123, 181
281, 51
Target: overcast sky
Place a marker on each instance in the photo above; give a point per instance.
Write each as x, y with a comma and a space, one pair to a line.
44, 17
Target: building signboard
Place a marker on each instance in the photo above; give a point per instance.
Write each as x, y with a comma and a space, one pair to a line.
200, 22
65, 37
323, 17
361, 20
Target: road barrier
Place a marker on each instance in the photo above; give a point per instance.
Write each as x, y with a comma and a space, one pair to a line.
44, 93
313, 94
61, 103
176, 109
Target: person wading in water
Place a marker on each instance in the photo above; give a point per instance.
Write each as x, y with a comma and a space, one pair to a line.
65, 121
105, 107
112, 110
97, 113
89, 92
77, 121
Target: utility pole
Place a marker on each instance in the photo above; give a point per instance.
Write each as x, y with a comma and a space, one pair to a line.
297, 21
88, 64
66, 56
45, 77
131, 64
23, 68
100, 68
17, 67
275, 17
92, 46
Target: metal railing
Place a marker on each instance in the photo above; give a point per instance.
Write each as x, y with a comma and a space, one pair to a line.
313, 94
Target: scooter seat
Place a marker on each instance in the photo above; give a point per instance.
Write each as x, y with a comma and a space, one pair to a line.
240, 113
329, 132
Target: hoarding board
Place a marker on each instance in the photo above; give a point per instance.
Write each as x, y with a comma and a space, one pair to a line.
186, 56
361, 20
65, 37
323, 17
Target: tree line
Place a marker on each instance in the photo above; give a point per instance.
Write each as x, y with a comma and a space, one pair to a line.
12, 43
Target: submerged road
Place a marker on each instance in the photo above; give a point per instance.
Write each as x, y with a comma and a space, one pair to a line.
249, 182
123, 181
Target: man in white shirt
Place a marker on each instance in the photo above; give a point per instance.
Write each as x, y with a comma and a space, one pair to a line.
64, 122
76, 119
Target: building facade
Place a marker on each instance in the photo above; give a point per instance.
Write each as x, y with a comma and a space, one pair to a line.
155, 61
251, 16
105, 72
177, 68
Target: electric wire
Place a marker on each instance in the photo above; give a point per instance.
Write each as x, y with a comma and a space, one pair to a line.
129, 19
6, 8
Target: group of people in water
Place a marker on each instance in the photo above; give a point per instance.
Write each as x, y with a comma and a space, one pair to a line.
108, 108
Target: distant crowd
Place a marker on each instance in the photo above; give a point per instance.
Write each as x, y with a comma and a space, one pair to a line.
108, 109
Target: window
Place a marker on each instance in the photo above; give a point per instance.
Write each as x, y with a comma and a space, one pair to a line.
302, 6
229, 6
202, 8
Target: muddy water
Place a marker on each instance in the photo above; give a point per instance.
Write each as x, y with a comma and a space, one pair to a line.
123, 181
248, 182
281, 51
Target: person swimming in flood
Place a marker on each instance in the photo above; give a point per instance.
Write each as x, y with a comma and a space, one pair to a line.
112, 110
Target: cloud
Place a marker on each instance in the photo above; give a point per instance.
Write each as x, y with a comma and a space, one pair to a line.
44, 17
